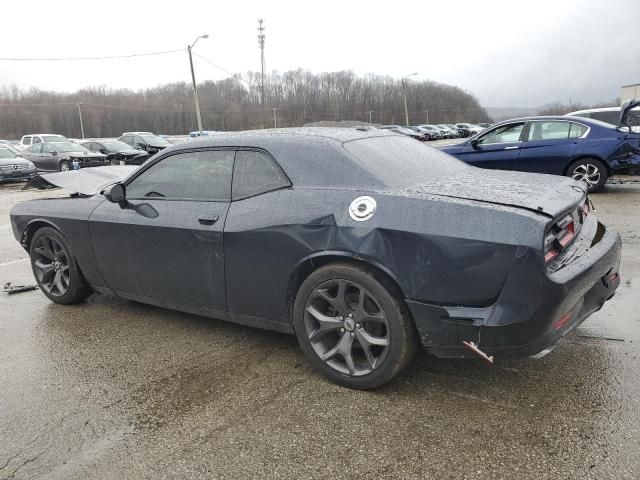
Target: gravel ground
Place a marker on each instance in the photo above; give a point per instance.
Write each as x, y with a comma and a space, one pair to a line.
116, 389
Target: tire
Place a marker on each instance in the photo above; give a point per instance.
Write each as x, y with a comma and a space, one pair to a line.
344, 312
427, 137
55, 268
590, 170
64, 166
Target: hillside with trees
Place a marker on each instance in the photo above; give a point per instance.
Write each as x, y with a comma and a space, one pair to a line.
292, 98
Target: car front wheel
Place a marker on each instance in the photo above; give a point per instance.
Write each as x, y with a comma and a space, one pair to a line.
591, 171
64, 166
352, 328
55, 268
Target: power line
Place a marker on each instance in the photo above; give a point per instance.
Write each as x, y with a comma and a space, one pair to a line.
109, 57
237, 75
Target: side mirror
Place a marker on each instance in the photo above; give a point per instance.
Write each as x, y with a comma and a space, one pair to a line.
139, 145
53, 154
103, 151
474, 143
115, 193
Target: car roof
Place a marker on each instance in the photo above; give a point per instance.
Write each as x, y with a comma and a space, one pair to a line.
295, 149
41, 134
561, 118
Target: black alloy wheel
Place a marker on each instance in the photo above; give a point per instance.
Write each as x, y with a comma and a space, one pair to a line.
352, 328
55, 269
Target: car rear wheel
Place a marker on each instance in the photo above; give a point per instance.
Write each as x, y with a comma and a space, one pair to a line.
352, 328
55, 268
64, 166
590, 171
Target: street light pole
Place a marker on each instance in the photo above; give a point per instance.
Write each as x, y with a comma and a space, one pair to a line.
80, 115
404, 94
275, 117
193, 79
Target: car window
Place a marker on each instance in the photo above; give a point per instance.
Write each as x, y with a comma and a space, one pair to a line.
191, 175
504, 134
35, 148
255, 173
137, 140
6, 153
46, 148
126, 139
36, 140
609, 117
26, 141
548, 131
576, 130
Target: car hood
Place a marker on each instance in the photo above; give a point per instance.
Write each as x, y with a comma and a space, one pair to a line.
86, 181
14, 161
129, 151
81, 154
548, 194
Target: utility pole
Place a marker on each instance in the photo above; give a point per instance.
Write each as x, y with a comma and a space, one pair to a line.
275, 117
80, 115
404, 94
427, 111
370, 112
261, 37
193, 79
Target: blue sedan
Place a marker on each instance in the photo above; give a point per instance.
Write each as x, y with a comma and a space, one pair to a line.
582, 148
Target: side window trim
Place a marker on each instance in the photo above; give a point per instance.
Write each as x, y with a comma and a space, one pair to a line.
525, 136
179, 152
273, 161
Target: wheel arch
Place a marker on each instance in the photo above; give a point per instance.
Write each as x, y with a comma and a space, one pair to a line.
313, 262
584, 156
31, 227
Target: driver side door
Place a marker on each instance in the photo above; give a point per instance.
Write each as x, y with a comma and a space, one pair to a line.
164, 244
498, 148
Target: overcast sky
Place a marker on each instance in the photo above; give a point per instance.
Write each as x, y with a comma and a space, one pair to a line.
507, 53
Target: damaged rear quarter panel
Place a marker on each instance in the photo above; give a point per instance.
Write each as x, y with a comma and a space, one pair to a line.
438, 250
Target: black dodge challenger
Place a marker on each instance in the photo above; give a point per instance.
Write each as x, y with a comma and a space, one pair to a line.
366, 244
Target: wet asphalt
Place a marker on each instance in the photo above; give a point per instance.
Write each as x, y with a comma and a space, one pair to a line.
116, 389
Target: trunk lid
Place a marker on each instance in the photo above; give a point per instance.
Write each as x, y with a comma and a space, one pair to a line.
551, 195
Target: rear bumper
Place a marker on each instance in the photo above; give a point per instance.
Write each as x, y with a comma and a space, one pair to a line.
531, 314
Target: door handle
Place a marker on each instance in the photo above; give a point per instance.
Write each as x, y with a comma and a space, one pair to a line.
208, 220
511, 148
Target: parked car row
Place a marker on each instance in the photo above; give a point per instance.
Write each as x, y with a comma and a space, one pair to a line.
437, 132
49, 152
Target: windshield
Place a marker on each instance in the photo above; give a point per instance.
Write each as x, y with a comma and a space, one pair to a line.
53, 138
155, 140
116, 145
62, 147
6, 153
396, 161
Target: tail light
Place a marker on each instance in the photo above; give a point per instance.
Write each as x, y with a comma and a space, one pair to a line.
559, 237
584, 210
